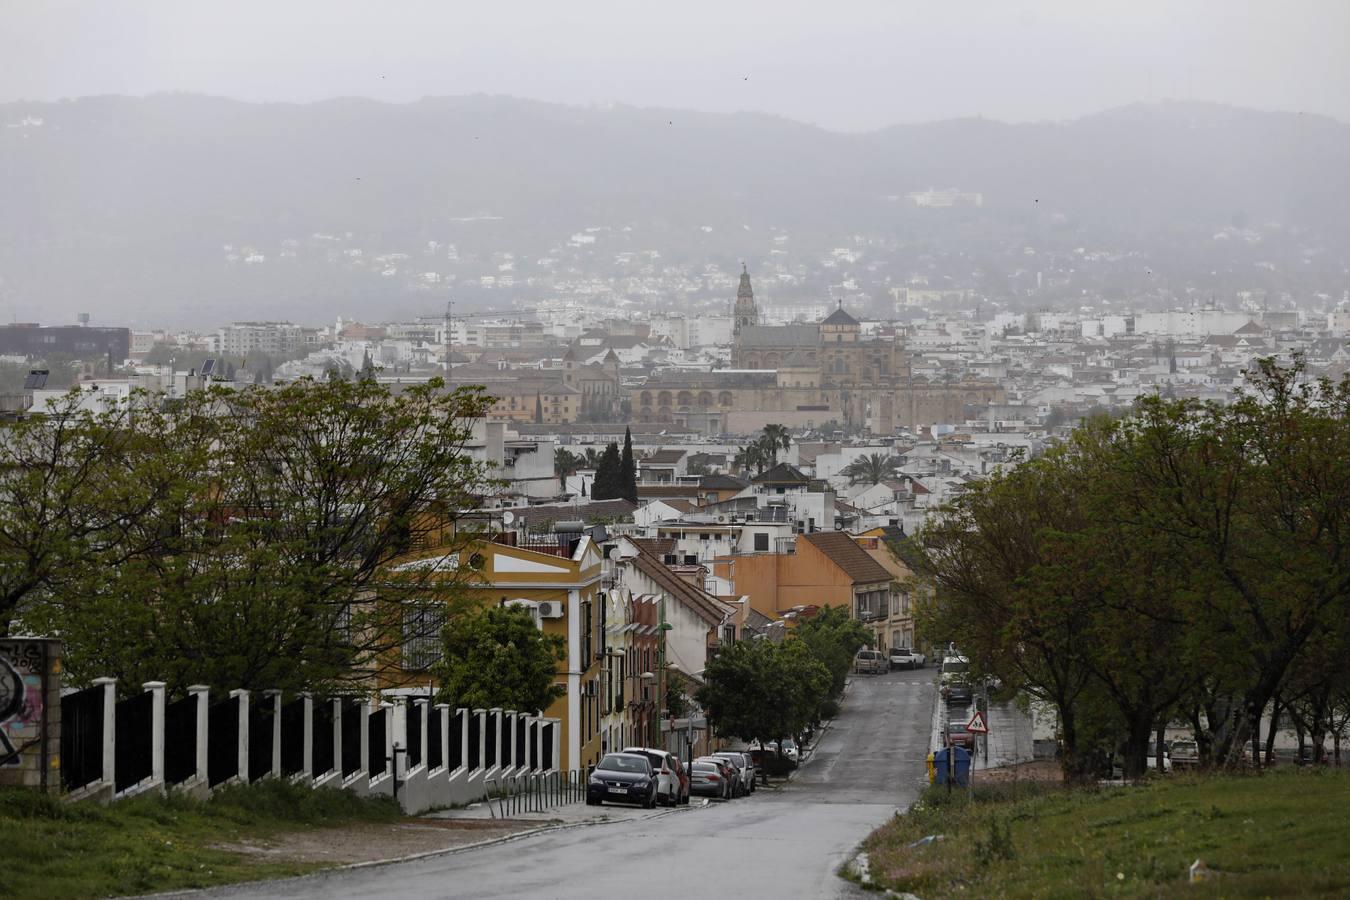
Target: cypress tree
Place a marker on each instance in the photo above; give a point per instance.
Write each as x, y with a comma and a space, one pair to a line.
628, 468
608, 475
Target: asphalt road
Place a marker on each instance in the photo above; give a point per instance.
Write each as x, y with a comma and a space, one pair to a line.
784, 844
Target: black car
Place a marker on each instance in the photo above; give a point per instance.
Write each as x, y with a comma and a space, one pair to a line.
622, 778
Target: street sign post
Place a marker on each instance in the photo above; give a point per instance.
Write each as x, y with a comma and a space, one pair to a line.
977, 725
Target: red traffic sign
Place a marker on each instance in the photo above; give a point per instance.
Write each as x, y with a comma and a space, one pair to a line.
976, 725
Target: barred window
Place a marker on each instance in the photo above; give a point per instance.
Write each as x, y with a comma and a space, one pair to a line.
422, 626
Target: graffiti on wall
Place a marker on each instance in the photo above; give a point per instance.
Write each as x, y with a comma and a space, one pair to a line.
21, 699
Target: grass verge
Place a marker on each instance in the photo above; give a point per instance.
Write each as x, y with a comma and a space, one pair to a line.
1276, 834
49, 848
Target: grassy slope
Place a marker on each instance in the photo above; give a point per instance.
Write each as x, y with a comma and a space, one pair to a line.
53, 849
1280, 834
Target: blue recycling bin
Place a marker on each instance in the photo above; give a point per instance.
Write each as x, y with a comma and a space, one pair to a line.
960, 763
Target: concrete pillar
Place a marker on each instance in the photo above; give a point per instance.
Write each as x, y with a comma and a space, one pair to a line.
156, 690
274, 700
394, 723
365, 737
420, 709
242, 773
481, 715
203, 695
109, 686
508, 745
336, 737
307, 762
442, 719
495, 724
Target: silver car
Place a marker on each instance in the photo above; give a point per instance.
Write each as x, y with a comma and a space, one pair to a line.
744, 768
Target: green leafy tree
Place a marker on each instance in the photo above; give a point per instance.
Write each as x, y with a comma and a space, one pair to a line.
761, 690
498, 657
834, 638
265, 531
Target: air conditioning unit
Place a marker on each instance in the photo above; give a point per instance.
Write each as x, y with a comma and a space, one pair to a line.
550, 609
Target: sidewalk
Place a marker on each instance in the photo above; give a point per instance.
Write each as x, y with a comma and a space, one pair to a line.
577, 813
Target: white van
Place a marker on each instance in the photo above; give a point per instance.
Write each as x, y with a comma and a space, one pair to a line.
870, 662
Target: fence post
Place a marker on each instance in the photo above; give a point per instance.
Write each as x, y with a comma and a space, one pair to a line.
422, 709
109, 686
365, 736
307, 763
444, 715
203, 695
336, 737
156, 690
241, 774
274, 698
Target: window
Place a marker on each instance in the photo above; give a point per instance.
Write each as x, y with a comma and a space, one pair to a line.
761, 543
422, 626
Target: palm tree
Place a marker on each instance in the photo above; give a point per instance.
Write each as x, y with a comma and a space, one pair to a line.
873, 468
775, 438
752, 456
565, 463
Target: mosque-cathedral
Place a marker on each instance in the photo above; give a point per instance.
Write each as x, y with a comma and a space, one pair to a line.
804, 376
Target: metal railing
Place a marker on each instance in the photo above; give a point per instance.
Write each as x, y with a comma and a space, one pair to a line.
534, 792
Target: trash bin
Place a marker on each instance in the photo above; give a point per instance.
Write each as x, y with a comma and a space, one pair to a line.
961, 764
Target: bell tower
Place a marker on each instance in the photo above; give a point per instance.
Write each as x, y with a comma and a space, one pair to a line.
744, 312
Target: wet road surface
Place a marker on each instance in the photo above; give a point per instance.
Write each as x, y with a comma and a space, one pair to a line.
784, 844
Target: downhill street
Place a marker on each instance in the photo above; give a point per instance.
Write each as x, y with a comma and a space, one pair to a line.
783, 843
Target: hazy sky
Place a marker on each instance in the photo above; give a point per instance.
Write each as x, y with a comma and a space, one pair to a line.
843, 64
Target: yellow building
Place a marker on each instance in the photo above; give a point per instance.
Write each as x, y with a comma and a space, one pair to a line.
558, 579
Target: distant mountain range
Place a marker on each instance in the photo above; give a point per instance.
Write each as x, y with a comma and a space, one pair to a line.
122, 206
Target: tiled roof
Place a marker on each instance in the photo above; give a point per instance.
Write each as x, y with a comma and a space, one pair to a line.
531, 516
840, 549
722, 483
663, 458
652, 491
782, 474
701, 602
839, 317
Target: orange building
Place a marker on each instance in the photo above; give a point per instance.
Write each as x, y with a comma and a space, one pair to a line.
827, 568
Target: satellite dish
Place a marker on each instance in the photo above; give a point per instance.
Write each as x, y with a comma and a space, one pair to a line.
508, 517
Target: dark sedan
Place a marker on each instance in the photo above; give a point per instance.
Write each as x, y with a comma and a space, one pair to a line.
622, 778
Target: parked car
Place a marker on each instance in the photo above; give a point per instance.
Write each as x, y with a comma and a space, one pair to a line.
706, 779
622, 778
1184, 754
958, 736
870, 662
730, 777
672, 783
790, 750
954, 680
745, 769
905, 658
